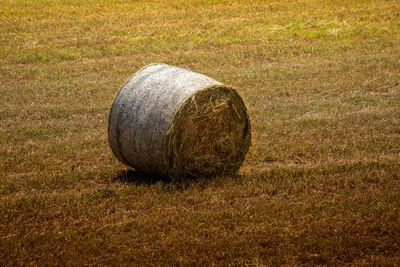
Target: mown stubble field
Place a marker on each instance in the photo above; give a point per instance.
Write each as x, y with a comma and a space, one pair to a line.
320, 185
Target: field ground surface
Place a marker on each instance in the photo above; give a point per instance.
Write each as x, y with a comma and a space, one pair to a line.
320, 184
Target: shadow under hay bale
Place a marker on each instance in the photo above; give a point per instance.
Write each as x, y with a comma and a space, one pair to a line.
137, 178
175, 123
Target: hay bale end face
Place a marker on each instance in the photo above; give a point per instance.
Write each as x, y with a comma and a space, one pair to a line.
174, 122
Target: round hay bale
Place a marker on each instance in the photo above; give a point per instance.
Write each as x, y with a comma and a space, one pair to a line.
174, 122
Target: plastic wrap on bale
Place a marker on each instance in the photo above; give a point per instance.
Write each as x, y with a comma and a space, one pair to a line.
173, 122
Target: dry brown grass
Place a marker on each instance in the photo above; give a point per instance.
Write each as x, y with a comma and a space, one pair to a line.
320, 185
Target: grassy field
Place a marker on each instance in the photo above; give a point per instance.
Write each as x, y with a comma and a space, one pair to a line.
320, 185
